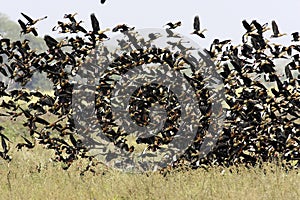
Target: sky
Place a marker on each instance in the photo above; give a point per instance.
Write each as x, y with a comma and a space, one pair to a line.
223, 19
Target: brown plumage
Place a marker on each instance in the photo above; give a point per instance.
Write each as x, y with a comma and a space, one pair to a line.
276, 32
95, 24
27, 29
197, 30
32, 21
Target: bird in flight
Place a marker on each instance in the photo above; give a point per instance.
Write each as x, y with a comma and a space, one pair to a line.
276, 32
173, 25
32, 21
122, 28
295, 37
27, 28
197, 29
102, 1
247, 26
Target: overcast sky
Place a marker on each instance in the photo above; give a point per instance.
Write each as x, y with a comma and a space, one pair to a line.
221, 18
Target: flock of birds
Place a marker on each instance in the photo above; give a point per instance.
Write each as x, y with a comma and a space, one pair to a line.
262, 121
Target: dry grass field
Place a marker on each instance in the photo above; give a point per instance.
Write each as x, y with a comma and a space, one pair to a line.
31, 175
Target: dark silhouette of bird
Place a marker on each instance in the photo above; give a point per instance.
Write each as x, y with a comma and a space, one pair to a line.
3, 71
28, 144
65, 27
96, 26
50, 41
276, 32
96, 34
102, 1
32, 21
27, 29
197, 29
295, 37
75, 27
173, 25
4, 141
71, 17
122, 28
247, 26
257, 26
260, 28
288, 72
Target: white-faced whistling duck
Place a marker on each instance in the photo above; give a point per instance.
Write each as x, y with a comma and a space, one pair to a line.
71, 17
27, 29
31, 21
276, 32
295, 37
122, 28
197, 30
247, 26
173, 25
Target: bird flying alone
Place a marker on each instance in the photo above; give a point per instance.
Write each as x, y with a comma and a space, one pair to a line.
197, 30
276, 32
